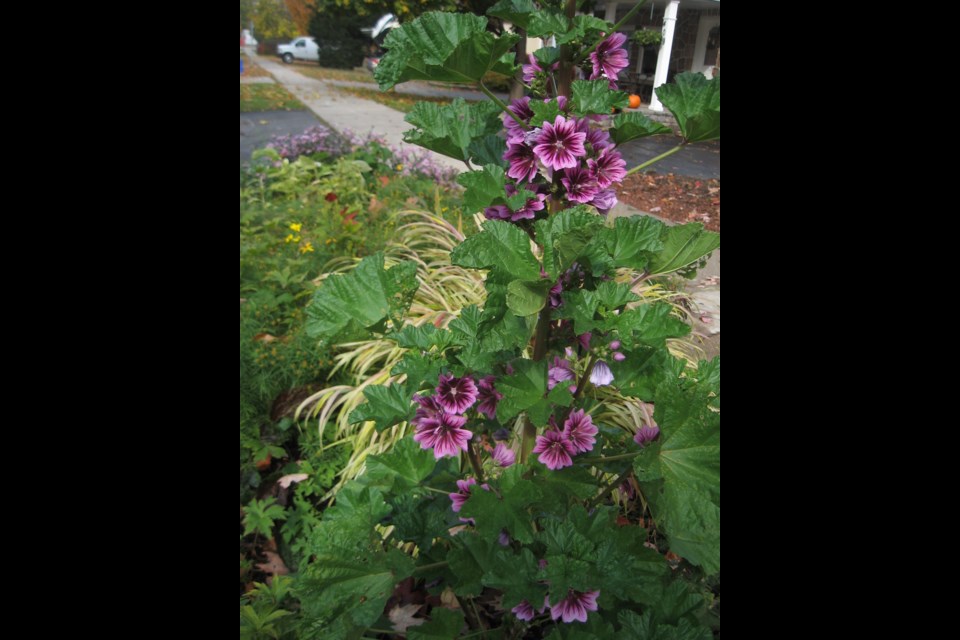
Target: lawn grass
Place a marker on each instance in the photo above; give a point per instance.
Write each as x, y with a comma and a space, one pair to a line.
267, 97
251, 70
402, 102
311, 70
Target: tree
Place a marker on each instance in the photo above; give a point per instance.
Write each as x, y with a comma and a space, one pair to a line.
301, 11
271, 21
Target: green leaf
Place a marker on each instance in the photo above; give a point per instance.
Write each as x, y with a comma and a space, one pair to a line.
547, 22
349, 306
595, 96
512, 513
444, 625
488, 149
613, 295
420, 521
516, 12
483, 188
564, 573
404, 467
515, 575
386, 407
544, 111
564, 236
695, 102
547, 56
452, 129
444, 47
528, 298
687, 507
683, 246
645, 627
501, 247
424, 337
648, 325
633, 125
582, 25
642, 372
679, 601
470, 558
525, 389
634, 240
419, 370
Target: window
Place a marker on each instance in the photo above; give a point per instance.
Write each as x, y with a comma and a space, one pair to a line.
301, 43
713, 47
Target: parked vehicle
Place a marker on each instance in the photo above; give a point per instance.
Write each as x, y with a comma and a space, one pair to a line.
302, 48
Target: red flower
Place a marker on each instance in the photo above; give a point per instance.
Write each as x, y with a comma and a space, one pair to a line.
331, 197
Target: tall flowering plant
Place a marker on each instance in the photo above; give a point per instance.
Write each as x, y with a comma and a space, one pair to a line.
499, 508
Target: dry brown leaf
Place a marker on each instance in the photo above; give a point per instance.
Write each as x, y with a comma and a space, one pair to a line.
403, 617
286, 481
265, 338
274, 565
449, 599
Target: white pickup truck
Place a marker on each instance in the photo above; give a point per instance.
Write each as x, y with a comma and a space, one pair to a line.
303, 48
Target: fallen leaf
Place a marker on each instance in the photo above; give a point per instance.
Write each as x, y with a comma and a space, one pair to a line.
264, 122
449, 599
286, 481
403, 617
274, 565
656, 210
265, 338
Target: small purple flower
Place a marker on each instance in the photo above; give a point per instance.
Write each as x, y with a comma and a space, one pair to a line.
585, 341
619, 357
556, 295
597, 138
447, 439
428, 415
560, 144
605, 200
504, 456
501, 435
580, 184
560, 372
608, 168
609, 58
504, 538
602, 375
523, 162
556, 451
580, 431
456, 395
459, 499
521, 109
646, 435
524, 611
488, 397
615, 345
575, 606
530, 70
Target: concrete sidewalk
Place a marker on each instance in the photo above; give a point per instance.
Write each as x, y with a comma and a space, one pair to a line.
343, 111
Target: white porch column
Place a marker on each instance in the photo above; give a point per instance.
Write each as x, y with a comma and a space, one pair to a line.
611, 14
663, 60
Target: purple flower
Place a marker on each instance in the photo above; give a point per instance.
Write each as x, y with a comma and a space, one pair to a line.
456, 395
559, 372
560, 144
601, 376
530, 70
597, 138
619, 357
608, 168
428, 415
615, 345
524, 611
575, 606
556, 451
521, 109
504, 456
556, 295
605, 200
609, 58
523, 162
527, 212
488, 397
501, 435
446, 439
580, 431
460, 498
585, 341
504, 538
580, 184
646, 435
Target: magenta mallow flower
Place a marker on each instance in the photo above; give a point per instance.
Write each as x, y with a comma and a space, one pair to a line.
428, 415
596, 138
504, 456
561, 371
525, 611
527, 212
580, 185
580, 431
460, 498
504, 538
560, 144
602, 375
615, 345
448, 438
523, 162
575, 606
619, 357
584, 341
489, 397
556, 295
604, 201
609, 58
646, 435
456, 395
521, 109
556, 451
530, 70
608, 168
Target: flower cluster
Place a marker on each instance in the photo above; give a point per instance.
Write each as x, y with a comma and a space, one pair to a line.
557, 448
574, 607
318, 139
441, 418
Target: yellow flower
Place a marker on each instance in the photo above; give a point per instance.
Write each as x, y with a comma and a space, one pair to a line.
399, 167
306, 248
289, 239
296, 227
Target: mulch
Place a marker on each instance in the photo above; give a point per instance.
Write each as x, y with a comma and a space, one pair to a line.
677, 198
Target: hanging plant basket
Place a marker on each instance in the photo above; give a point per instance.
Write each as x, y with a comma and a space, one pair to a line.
646, 37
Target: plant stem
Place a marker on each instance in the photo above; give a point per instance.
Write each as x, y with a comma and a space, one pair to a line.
657, 159
566, 64
606, 492
428, 567
616, 28
446, 493
497, 101
475, 462
601, 459
529, 440
541, 342
586, 377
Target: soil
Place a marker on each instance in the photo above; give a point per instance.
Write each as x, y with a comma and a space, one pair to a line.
677, 198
